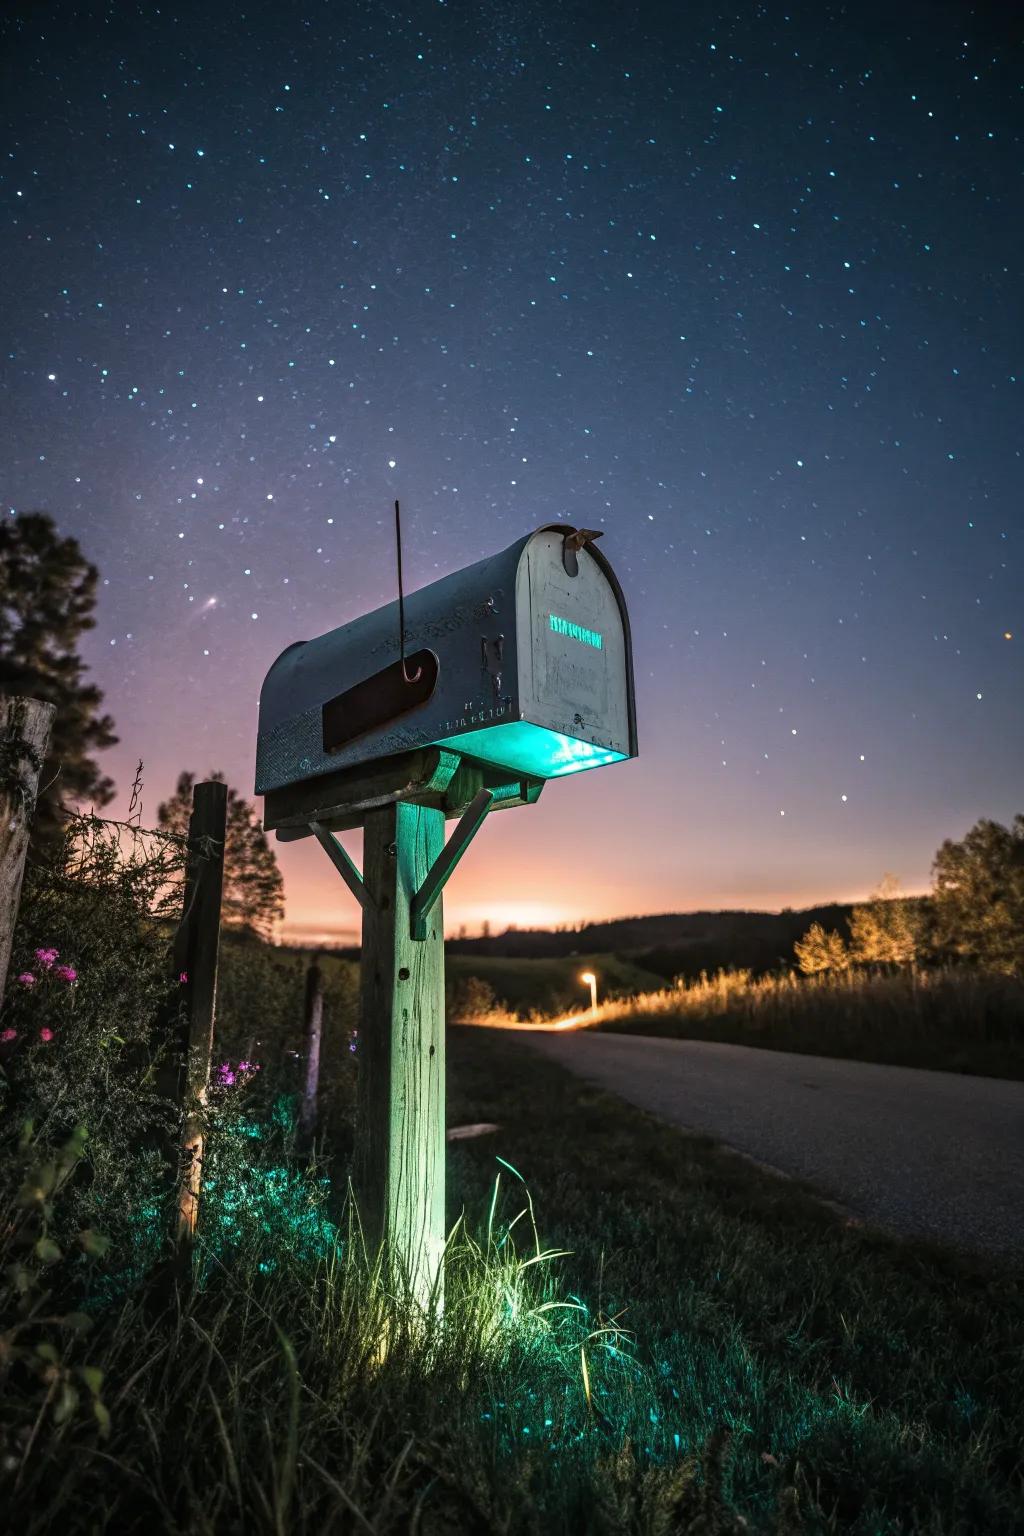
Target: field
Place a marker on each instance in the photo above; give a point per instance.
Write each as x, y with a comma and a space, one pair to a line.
952, 1019
860, 1384
713, 1352
550, 985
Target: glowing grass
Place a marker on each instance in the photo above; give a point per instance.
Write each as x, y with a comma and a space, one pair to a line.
855, 1382
954, 1018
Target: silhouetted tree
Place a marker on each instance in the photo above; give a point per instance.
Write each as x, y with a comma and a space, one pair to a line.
979, 895
888, 928
819, 951
253, 887
47, 598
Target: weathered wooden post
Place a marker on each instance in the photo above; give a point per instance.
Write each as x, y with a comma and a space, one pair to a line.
24, 734
519, 669
398, 1169
196, 951
314, 1023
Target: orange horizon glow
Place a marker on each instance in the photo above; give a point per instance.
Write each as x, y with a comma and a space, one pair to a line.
307, 923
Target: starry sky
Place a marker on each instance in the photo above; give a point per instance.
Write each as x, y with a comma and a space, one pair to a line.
740, 288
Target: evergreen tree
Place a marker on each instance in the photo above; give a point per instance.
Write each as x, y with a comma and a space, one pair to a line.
887, 929
819, 951
979, 895
47, 598
253, 887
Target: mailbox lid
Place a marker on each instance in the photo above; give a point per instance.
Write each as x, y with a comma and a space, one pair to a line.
575, 702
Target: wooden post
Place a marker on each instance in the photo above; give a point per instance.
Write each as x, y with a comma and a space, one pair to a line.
196, 950
24, 733
398, 1172
314, 1027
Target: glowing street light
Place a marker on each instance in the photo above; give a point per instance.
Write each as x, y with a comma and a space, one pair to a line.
589, 979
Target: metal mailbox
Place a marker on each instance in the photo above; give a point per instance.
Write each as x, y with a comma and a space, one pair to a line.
521, 662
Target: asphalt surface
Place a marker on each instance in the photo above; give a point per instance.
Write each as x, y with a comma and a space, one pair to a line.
926, 1154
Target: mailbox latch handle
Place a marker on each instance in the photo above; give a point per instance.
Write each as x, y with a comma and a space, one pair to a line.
575, 540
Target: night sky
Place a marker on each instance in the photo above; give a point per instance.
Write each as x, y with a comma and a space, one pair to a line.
742, 290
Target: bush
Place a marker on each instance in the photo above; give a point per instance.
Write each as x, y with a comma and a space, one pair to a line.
90, 977
471, 998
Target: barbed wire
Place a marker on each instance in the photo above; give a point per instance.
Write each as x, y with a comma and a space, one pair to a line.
179, 838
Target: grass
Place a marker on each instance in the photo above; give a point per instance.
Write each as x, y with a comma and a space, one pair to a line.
875, 1385
953, 1019
545, 986
713, 1345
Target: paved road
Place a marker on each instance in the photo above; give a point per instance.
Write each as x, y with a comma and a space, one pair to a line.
928, 1154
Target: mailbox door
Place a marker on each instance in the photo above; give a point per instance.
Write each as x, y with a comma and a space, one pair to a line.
572, 646
575, 687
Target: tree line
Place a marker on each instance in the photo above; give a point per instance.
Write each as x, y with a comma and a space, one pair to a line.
974, 914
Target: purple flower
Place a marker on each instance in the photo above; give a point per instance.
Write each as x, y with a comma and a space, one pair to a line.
27, 979
47, 956
183, 977
66, 973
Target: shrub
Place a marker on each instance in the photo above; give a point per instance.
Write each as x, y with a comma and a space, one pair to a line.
819, 951
471, 998
91, 976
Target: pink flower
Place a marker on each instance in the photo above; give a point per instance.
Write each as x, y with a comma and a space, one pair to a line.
27, 979
46, 1034
47, 956
9, 1035
66, 973
183, 977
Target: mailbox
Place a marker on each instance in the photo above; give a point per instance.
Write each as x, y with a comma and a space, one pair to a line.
521, 662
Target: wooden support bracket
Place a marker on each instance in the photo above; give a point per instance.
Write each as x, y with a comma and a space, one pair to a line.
342, 863
440, 871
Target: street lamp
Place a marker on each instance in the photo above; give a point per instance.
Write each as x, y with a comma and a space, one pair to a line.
590, 980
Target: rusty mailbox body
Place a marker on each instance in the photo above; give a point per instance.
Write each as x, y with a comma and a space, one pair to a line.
521, 663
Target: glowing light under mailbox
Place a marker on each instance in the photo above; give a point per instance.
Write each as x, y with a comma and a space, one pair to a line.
531, 749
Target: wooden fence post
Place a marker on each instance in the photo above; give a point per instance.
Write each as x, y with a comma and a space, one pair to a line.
314, 1021
398, 1173
24, 733
196, 950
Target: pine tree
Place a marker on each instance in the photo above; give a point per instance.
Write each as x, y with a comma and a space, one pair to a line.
47, 598
253, 888
979, 895
819, 951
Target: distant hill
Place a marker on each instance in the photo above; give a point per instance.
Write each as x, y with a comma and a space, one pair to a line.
550, 984
671, 943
